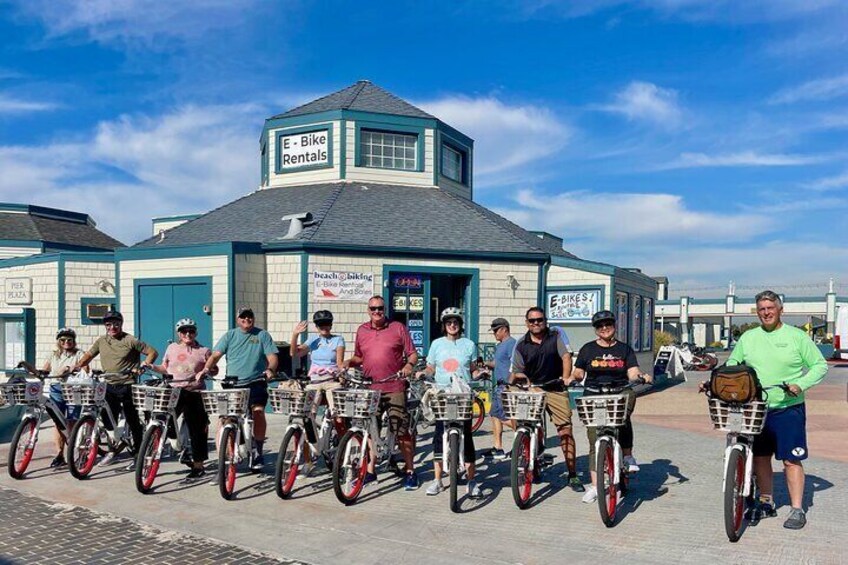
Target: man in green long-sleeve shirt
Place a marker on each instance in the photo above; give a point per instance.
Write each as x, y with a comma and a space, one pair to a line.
780, 353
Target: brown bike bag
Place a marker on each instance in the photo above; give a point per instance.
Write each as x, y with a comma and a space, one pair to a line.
735, 384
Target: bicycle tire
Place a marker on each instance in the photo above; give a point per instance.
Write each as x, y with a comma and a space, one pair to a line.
607, 489
227, 453
734, 501
147, 459
478, 414
19, 459
287, 466
453, 471
521, 479
350, 468
83, 447
329, 454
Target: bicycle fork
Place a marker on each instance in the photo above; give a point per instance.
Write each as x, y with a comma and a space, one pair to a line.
617, 457
449, 431
749, 465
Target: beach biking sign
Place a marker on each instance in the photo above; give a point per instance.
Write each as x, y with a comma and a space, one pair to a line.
343, 285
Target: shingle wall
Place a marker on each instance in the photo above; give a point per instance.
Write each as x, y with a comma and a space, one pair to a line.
45, 301
251, 283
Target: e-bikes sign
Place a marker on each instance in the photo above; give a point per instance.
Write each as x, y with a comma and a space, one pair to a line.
308, 149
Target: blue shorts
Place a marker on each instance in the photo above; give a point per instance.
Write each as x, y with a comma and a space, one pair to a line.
497, 410
784, 435
258, 393
69, 412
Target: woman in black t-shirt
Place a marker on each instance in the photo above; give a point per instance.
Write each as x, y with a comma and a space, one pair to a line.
607, 362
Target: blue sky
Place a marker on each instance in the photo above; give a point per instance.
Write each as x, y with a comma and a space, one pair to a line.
695, 139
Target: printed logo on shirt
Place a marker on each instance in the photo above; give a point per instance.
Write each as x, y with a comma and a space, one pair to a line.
798, 451
608, 362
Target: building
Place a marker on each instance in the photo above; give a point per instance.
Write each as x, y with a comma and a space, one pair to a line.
363, 193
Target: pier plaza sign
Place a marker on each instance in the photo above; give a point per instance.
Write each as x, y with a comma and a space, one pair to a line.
18, 291
308, 149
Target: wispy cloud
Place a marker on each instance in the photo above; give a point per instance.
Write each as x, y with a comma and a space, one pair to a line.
11, 105
814, 90
829, 183
743, 159
506, 136
645, 101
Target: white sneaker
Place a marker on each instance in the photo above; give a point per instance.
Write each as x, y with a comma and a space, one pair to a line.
591, 495
473, 489
106, 459
305, 471
435, 488
630, 463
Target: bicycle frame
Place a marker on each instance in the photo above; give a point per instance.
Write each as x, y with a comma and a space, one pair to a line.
383, 446
453, 428
611, 434
743, 443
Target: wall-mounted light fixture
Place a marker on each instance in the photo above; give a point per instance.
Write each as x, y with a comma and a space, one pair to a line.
106, 286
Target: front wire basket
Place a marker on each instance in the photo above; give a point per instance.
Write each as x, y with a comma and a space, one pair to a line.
93, 394
356, 403
155, 399
523, 406
28, 393
604, 410
230, 402
452, 406
748, 418
291, 402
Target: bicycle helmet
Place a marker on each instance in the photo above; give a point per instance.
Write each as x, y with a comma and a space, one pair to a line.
603, 316
322, 317
66, 332
113, 315
452, 312
185, 323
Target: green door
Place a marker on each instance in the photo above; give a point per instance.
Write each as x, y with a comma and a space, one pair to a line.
160, 303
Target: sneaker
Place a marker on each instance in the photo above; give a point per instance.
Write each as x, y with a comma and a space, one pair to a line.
500, 455
575, 484
258, 463
305, 471
106, 459
131, 465
194, 475
796, 520
411, 481
630, 464
473, 489
435, 488
768, 510
369, 479
185, 458
58, 461
591, 495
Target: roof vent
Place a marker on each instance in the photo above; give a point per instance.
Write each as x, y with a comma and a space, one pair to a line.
296, 224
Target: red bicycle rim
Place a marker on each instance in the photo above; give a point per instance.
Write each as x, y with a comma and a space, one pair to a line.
611, 491
89, 451
527, 487
231, 464
359, 481
27, 451
291, 476
151, 466
739, 502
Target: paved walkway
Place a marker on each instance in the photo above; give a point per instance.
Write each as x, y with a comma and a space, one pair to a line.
673, 514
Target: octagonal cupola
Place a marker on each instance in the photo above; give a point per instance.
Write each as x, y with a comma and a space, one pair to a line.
363, 133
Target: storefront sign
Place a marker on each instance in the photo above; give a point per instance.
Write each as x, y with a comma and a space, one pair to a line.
304, 149
416, 303
18, 291
407, 281
399, 304
415, 323
333, 285
417, 337
572, 305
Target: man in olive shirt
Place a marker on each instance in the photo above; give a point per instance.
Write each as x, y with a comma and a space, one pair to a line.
120, 352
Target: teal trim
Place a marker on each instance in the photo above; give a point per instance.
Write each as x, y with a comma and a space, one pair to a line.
160, 281
455, 134
264, 158
60, 279
86, 300
175, 218
306, 119
28, 243
50, 247
343, 150
583, 265
386, 127
29, 335
304, 286
50, 257
390, 119
667, 303
542, 283
279, 134
472, 292
194, 250
118, 286
459, 147
384, 251
231, 289
45, 212
553, 289
437, 160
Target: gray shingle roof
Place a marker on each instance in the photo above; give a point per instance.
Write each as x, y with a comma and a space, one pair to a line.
51, 230
359, 214
363, 96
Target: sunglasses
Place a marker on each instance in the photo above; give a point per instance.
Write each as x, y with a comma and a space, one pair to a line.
376, 308
535, 321
605, 325
452, 323
188, 331
322, 326
113, 324
66, 339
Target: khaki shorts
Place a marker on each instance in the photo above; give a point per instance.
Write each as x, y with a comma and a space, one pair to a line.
558, 406
324, 388
395, 404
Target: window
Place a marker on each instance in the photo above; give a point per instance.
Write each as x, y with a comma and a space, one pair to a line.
388, 150
12, 342
452, 163
621, 316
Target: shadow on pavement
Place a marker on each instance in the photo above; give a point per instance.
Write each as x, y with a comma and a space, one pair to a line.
812, 485
650, 483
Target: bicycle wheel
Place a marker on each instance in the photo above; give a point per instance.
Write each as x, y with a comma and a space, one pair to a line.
147, 459
734, 501
350, 467
83, 447
329, 454
607, 489
520, 476
453, 471
227, 453
287, 462
22, 447
478, 414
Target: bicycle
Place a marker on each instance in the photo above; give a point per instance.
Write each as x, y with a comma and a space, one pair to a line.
298, 406
359, 404
453, 408
607, 411
478, 414
90, 432
235, 436
528, 458
18, 391
159, 400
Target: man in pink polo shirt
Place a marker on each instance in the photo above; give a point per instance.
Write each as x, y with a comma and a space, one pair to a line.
383, 348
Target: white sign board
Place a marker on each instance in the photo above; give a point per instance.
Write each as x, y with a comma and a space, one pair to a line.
572, 305
334, 285
305, 149
18, 291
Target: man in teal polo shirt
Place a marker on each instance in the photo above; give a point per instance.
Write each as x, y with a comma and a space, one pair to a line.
780, 353
252, 357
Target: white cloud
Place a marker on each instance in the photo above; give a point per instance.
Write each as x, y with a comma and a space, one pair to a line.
11, 105
814, 90
505, 136
743, 159
136, 167
644, 101
829, 183
629, 217
127, 21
